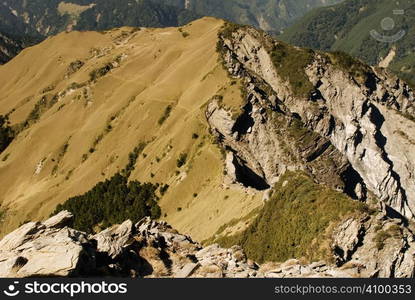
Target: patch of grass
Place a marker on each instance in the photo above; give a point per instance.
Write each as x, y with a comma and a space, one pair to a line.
380, 239
62, 151
294, 222
290, 63
350, 65
407, 116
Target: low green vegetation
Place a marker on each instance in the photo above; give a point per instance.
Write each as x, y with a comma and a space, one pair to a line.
381, 238
348, 64
94, 75
382, 235
6, 133
112, 202
185, 34
2, 214
74, 67
132, 159
41, 106
291, 63
166, 115
181, 161
295, 221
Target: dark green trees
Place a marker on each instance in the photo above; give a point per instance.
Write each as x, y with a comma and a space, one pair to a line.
6, 133
112, 202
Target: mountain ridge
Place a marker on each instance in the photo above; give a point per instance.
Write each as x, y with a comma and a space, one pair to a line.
259, 124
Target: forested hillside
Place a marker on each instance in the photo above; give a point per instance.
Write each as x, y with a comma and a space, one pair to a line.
376, 31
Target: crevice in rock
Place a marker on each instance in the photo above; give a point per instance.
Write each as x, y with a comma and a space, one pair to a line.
248, 177
377, 118
352, 180
371, 82
320, 151
244, 121
394, 214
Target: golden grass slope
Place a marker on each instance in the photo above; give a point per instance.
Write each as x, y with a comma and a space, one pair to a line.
87, 134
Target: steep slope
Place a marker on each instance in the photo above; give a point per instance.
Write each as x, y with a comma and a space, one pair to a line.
29, 22
78, 122
366, 114
378, 32
242, 128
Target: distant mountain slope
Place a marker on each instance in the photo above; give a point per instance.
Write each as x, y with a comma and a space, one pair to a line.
14, 35
269, 15
358, 28
44, 18
8, 48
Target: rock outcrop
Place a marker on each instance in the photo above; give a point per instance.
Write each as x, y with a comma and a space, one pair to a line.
359, 132
154, 249
46, 249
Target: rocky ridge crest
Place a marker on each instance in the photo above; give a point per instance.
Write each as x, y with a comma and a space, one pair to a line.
351, 134
154, 249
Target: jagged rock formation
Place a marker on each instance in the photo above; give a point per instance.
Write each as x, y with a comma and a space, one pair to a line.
358, 137
154, 249
46, 249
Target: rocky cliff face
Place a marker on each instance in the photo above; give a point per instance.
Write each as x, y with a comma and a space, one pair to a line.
353, 134
154, 249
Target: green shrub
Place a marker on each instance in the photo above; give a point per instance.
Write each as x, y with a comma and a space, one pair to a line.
163, 189
6, 134
100, 72
132, 159
165, 115
181, 161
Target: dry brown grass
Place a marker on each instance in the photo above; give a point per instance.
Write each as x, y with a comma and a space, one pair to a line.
158, 70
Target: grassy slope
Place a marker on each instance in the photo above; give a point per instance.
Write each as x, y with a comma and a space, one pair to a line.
347, 27
295, 223
161, 68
